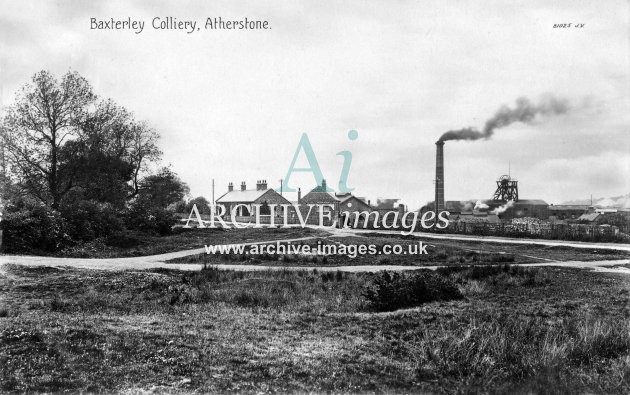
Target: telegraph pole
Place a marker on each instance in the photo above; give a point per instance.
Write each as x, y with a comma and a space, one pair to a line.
213, 191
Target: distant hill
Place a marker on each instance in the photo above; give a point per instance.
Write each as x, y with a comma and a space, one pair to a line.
617, 201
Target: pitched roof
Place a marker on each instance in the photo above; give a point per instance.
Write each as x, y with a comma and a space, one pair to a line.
569, 207
319, 192
588, 217
360, 202
343, 195
248, 195
319, 188
532, 201
344, 198
469, 205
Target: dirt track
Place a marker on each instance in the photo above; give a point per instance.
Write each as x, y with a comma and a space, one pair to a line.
492, 239
156, 261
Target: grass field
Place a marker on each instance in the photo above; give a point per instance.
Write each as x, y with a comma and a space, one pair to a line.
518, 330
183, 239
440, 252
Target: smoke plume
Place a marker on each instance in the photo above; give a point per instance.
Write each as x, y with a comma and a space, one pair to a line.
502, 209
481, 205
525, 111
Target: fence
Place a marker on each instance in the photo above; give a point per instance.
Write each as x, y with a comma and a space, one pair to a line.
543, 230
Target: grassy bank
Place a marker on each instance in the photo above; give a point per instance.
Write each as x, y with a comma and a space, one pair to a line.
140, 244
517, 329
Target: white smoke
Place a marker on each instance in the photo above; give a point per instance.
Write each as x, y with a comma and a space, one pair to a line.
481, 205
467, 206
502, 209
621, 201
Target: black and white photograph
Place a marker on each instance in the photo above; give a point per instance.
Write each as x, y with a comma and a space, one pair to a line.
346, 197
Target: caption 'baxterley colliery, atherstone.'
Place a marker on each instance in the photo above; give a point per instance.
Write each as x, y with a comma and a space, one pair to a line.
137, 26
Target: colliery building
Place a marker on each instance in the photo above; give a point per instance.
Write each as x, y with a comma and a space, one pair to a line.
493, 210
563, 212
505, 204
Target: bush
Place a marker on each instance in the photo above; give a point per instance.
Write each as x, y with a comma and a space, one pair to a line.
34, 229
122, 240
500, 258
88, 220
391, 291
150, 219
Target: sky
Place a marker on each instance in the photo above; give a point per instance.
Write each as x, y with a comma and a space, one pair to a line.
232, 105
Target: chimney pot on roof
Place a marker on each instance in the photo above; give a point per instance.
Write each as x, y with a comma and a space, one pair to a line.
230, 187
324, 185
261, 185
243, 186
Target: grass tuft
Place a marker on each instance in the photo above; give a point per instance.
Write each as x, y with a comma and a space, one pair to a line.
512, 348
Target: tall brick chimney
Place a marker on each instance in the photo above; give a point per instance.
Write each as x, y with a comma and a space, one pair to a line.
299, 195
230, 187
243, 187
439, 177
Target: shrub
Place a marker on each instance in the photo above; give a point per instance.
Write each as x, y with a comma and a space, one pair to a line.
391, 291
145, 218
500, 258
88, 220
85, 249
58, 303
34, 229
441, 255
122, 240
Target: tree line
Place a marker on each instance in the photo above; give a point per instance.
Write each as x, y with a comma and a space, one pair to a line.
66, 152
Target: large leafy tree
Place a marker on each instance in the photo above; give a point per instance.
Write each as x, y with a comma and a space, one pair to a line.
60, 140
162, 189
203, 205
95, 175
142, 151
112, 131
46, 113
